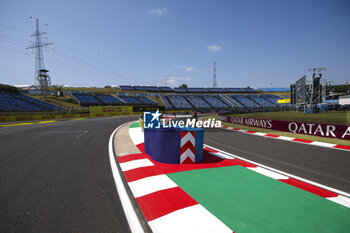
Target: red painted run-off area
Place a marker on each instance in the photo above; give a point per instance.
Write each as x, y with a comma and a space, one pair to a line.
163, 202
209, 161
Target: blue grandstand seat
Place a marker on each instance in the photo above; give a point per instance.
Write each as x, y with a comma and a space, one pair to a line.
147, 101
47, 106
236, 103
245, 101
251, 90
130, 100
274, 98
166, 102
87, 99
177, 89
197, 101
235, 89
108, 99
179, 102
146, 88
216, 89
126, 88
261, 100
197, 89
215, 101
15, 102
166, 89
274, 89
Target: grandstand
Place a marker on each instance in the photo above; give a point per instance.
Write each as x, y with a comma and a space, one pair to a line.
179, 102
194, 98
16, 102
108, 99
197, 102
87, 99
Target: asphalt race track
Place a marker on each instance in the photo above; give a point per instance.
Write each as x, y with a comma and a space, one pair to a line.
57, 178
322, 165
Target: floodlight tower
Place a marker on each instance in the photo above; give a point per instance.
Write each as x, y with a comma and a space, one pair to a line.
42, 79
215, 84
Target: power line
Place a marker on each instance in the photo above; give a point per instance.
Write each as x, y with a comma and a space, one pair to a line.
107, 67
78, 58
14, 29
11, 42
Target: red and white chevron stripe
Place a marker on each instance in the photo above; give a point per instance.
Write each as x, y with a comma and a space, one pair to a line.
187, 147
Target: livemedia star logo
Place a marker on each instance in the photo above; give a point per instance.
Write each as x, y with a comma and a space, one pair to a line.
151, 120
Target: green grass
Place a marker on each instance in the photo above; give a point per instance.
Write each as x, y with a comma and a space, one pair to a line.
281, 133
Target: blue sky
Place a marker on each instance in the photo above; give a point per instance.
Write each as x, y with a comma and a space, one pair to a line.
254, 43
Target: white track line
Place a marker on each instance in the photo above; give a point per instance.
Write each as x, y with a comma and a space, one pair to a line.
134, 223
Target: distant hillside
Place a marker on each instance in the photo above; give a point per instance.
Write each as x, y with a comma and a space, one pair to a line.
5, 87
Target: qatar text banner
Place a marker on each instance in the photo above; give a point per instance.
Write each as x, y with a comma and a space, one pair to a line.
312, 129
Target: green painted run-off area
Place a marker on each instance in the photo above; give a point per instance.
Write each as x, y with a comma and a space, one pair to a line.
247, 201
135, 125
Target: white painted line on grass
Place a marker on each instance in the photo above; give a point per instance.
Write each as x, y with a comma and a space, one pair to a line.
134, 223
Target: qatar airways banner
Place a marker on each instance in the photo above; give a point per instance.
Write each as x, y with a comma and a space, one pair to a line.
313, 129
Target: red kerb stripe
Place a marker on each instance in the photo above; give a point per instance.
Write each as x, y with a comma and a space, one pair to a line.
302, 140
272, 135
131, 157
142, 172
163, 202
248, 131
342, 147
310, 188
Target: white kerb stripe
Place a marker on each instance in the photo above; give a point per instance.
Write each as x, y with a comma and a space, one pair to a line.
135, 164
259, 134
150, 185
186, 220
136, 135
323, 144
271, 174
285, 138
345, 201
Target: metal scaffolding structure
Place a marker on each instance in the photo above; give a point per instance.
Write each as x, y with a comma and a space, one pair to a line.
42, 78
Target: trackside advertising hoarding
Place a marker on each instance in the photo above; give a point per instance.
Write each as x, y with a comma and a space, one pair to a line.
313, 129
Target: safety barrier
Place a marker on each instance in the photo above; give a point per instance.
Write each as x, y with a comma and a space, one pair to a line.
175, 145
